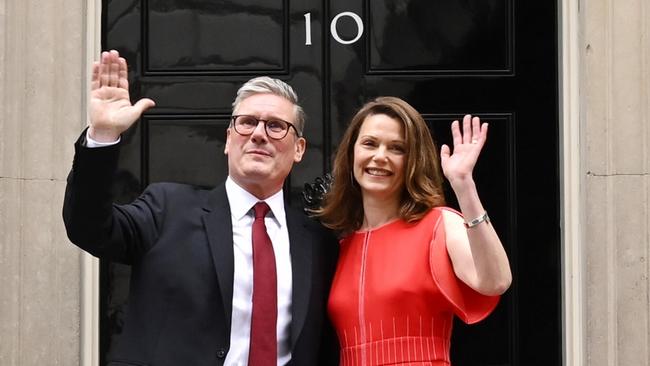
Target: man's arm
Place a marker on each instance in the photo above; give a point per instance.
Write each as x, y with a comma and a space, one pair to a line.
121, 233
329, 348
92, 221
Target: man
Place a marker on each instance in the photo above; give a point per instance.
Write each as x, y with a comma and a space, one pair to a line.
203, 289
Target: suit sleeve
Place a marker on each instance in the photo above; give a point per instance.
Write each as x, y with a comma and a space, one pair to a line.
121, 233
329, 348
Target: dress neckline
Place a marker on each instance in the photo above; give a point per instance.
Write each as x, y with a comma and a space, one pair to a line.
387, 223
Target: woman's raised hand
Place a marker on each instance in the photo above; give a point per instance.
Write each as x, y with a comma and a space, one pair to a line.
110, 109
459, 164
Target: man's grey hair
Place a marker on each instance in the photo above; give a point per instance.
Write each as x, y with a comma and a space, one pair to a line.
267, 85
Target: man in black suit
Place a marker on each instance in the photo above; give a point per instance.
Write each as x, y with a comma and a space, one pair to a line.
190, 249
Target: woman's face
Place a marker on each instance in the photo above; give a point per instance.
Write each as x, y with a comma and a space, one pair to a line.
379, 157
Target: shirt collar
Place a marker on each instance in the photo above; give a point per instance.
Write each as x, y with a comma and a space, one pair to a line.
241, 202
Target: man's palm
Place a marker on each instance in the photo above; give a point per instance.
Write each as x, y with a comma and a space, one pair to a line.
111, 111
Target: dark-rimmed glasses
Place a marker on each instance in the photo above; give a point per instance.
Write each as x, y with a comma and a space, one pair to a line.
276, 129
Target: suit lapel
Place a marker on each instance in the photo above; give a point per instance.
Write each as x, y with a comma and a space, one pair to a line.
300, 243
218, 226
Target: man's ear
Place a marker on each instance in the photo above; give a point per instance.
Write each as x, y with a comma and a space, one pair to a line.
225, 148
300, 145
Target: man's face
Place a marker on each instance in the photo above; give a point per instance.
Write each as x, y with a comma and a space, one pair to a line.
256, 162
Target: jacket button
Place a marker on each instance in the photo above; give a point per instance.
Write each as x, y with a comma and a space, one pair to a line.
221, 353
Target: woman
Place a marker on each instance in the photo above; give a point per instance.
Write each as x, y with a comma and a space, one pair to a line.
407, 263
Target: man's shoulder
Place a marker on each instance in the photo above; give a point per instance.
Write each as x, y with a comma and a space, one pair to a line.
182, 191
177, 187
310, 223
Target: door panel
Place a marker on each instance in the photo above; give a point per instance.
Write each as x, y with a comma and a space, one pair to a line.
493, 58
203, 37
437, 37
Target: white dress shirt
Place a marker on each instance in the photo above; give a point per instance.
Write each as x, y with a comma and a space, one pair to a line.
241, 210
92, 143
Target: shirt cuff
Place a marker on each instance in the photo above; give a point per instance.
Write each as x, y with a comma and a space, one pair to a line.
92, 143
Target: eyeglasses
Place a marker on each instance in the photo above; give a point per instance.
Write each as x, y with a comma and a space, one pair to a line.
276, 129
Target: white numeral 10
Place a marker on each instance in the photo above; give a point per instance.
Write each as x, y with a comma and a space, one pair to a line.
333, 32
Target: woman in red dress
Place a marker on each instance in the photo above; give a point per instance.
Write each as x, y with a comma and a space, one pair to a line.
407, 263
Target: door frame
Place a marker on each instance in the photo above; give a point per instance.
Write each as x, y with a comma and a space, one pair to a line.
89, 304
572, 210
571, 197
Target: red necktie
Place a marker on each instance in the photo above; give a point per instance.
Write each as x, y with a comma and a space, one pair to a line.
263, 346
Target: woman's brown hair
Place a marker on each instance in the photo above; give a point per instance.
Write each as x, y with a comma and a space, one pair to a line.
343, 207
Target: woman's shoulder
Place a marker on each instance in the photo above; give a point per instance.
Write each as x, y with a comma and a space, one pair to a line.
450, 216
448, 211
441, 212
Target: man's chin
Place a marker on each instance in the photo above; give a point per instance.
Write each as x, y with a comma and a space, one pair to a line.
261, 174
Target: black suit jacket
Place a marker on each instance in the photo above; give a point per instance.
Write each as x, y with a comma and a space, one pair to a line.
178, 240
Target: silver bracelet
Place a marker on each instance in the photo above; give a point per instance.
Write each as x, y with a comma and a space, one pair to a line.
477, 220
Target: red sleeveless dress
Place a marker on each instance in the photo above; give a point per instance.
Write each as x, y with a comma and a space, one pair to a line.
395, 293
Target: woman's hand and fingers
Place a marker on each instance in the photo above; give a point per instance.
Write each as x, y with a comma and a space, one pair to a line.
457, 165
110, 110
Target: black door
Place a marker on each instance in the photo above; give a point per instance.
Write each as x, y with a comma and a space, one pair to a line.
493, 58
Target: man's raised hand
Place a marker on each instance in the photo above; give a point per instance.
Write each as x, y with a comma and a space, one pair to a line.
110, 110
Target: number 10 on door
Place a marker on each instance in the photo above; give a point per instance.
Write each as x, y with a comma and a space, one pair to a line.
333, 31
